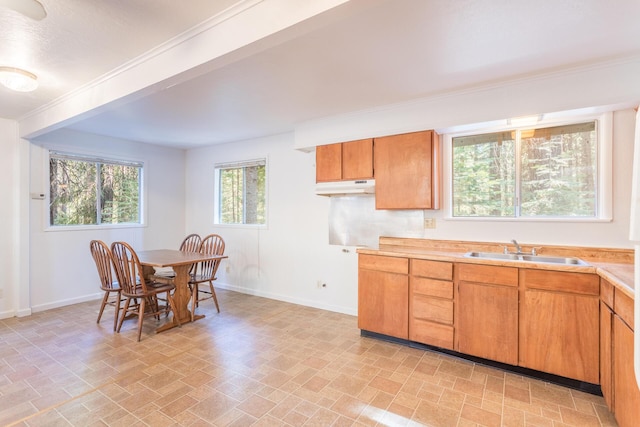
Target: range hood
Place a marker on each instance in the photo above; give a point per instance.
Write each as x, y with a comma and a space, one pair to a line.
341, 188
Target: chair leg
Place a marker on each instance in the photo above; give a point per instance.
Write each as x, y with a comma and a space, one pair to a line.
105, 298
124, 313
118, 302
141, 316
213, 295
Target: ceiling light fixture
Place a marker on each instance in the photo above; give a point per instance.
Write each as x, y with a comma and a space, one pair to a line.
30, 8
17, 79
524, 120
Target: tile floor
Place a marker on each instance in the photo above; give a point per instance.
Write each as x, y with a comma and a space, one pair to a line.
258, 363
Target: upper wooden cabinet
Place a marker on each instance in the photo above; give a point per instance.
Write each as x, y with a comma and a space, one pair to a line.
406, 170
344, 161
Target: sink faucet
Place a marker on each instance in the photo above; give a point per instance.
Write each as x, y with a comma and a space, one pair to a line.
518, 248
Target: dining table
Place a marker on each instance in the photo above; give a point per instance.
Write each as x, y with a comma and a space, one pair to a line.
181, 263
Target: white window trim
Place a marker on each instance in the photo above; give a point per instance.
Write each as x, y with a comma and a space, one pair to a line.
605, 166
87, 154
216, 194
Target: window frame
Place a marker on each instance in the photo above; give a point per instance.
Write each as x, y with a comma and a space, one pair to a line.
604, 165
217, 167
81, 155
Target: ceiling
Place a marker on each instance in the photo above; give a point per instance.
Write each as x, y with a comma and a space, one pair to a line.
375, 53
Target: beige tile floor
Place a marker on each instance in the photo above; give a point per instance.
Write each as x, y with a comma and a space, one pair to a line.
258, 363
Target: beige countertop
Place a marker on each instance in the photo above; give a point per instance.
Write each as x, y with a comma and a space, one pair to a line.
614, 265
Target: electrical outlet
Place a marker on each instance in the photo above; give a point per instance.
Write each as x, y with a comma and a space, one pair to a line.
429, 223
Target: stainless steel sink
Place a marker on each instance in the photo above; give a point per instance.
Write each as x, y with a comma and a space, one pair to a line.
525, 257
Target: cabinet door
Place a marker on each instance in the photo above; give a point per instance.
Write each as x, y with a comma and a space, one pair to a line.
626, 394
383, 297
357, 159
606, 347
403, 168
488, 321
560, 334
329, 162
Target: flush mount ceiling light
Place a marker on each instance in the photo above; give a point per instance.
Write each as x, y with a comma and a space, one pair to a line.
30, 8
524, 120
17, 79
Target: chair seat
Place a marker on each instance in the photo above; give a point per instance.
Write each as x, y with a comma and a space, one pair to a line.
152, 288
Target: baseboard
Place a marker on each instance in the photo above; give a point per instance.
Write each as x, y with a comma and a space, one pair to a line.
285, 298
62, 303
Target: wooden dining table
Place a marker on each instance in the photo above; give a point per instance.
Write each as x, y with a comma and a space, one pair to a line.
181, 263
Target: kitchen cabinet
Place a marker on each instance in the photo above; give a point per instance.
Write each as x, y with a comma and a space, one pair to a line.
431, 306
626, 393
407, 171
559, 323
488, 312
617, 377
383, 295
606, 341
344, 161
626, 400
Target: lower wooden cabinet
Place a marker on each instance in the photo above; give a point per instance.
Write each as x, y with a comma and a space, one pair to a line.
626, 395
560, 324
431, 307
564, 323
606, 349
488, 312
383, 295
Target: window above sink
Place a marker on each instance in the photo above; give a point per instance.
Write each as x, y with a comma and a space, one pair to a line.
559, 169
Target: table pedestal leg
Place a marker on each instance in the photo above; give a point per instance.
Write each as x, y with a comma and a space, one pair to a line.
181, 297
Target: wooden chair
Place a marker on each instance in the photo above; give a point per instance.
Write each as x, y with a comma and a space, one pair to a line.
112, 293
205, 271
191, 243
141, 296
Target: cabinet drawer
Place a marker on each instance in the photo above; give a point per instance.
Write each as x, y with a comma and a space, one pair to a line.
561, 281
624, 307
434, 309
434, 269
435, 334
488, 274
606, 292
384, 263
431, 287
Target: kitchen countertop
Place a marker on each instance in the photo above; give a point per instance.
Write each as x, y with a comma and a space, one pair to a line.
614, 265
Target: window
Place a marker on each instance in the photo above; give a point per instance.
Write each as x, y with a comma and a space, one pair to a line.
91, 191
241, 192
545, 172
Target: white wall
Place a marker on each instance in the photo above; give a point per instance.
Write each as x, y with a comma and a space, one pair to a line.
13, 220
61, 268
286, 259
